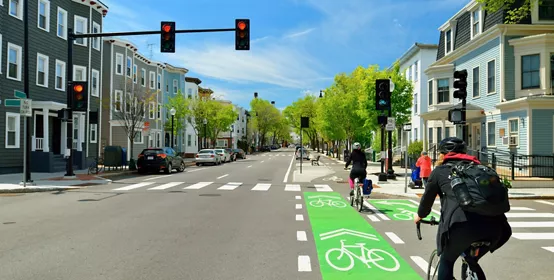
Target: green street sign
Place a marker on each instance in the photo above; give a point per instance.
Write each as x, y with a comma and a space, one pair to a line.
12, 102
19, 94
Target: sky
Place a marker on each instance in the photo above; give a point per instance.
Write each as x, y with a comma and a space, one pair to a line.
297, 46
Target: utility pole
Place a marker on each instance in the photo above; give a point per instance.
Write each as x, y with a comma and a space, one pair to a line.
27, 160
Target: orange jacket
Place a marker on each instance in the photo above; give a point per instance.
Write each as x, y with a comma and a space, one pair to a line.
424, 163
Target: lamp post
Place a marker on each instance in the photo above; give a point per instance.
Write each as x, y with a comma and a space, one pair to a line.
172, 112
231, 144
205, 136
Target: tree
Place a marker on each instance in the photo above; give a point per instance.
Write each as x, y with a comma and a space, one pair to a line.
516, 10
224, 115
303, 107
264, 117
218, 116
181, 105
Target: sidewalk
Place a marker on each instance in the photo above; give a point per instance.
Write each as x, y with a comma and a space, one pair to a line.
398, 187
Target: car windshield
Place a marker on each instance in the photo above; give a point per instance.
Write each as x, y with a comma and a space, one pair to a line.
219, 151
152, 151
206, 152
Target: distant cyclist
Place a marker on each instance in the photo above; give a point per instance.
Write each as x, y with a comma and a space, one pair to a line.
457, 228
359, 165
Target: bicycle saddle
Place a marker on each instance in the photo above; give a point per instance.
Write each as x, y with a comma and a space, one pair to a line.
480, 244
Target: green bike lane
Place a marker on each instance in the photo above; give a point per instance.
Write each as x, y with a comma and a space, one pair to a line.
348, 247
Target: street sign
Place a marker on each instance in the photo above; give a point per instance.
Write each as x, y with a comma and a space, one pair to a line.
26, 109
390, 124
19, 94
408, 127
12, 103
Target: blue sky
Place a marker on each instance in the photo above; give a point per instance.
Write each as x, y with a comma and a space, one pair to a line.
297, 46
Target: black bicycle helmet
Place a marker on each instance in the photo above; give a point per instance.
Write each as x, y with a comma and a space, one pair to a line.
452, 144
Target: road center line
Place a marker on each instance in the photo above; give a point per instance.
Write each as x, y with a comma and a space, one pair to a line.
301, 236
304, 264
223, 176
394, 238
299, 217
288, 170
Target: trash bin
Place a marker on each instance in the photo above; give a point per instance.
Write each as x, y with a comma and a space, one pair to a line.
124, 156
346, 155
112, 156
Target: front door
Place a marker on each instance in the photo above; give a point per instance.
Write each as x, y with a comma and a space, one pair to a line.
476, 137
56, 135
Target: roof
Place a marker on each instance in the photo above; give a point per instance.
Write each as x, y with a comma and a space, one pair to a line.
172, 68
414, 49
472, 4
193, 80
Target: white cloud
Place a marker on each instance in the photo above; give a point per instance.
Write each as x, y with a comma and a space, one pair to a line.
300, 33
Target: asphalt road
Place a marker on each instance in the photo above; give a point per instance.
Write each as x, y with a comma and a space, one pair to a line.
239, 220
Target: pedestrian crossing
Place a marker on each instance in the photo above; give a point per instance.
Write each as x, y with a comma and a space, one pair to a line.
229, 186
530, 225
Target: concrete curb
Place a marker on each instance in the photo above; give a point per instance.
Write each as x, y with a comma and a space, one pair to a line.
34, 190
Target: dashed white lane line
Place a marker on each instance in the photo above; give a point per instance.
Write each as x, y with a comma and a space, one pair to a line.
301, 236
545, 202
299, 217
298, 206
155, 177
373, 218
529, 215
297, 197
533, 235
376, 211
394, 238
531, 224
249, 166
262, 161
304, 264
551, 249
422, 263
222, 176
515, 208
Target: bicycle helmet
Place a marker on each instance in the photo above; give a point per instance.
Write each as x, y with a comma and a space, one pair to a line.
452, 144
356, 146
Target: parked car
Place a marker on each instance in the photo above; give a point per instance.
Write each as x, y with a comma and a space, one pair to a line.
157, 159
302, 153
232, 153
265, 149
205, 156
225, 156
240, 153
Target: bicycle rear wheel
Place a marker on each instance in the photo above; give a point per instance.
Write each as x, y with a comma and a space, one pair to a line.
433, 267
472, 272
360, 199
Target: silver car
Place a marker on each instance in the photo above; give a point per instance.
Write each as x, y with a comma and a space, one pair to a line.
208, 156
225, 155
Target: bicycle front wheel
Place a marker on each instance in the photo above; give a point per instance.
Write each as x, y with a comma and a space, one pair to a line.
433, 267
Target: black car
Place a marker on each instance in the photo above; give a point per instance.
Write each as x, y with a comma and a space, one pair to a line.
156, 159
265, 149
240, 153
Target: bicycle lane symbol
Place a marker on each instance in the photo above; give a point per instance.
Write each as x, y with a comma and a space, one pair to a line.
350, 248
326, 201
398, 209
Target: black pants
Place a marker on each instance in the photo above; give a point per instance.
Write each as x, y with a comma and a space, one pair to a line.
359, 173
460, 238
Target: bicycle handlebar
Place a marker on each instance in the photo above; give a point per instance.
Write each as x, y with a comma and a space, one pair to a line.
432, 222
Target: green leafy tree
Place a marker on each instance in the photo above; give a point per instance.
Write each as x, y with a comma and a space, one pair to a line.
224, 115
516, 10
304, 107
182, 111
264, 117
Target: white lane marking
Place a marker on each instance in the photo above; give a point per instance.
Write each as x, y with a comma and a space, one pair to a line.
262, 161
545, 202
304, 264
417, 203
292, 188
551, 249
198, 185
323, 188
521, 209
373, 218
298, 206
155, 177
530, 215
249, 166
194, 170
288, 170
261, 187
222, 176
376, 211
422, 263
229, 186
299, 217
531, 224
167, 186
394, 238
533, 235
301, 236
297, 197
134, 186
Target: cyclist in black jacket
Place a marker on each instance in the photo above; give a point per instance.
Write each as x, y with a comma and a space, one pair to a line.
359, 165
457, 228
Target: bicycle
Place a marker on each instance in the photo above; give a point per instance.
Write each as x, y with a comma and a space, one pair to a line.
357, 195
377, 257
471, 270
95, 168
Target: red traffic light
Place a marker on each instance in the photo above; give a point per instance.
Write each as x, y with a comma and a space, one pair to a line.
241, 25
166, 27
78, 88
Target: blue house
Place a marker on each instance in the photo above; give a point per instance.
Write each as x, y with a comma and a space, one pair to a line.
174, 82
510, 86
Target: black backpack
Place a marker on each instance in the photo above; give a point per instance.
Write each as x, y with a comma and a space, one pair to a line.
487, 193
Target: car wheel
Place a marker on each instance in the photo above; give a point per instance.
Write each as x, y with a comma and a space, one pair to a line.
182, 166
169, 169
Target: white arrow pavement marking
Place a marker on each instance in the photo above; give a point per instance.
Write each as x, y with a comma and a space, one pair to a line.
324, 196
551, 249
344, 231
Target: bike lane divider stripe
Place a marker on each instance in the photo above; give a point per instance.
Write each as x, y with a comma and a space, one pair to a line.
338, 229
398, 209
301, 235
394, 238
423, 264
304, 264
376, 211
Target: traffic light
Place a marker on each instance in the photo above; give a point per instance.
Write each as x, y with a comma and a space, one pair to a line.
382, 94
460, 84
167, 44
79, 96
242, 34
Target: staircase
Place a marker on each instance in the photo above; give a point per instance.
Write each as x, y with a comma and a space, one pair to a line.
59, 164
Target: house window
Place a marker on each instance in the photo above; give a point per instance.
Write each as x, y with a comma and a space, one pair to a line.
152, 110
491, 134
96, 40
159, 81
43, 20
14, 62
416, 71
415, 134
189, 140
95, 89
546, 10
476, 82
118, 100
80, 26
1, 52
12, 130
166, 87
16, 9
448, 40
62, 23
135, 69
491, 76
443, 91
175, 86
128, 102
415, 103
143, 77
430, 91
160, 111
152, 80
138, 137
93, 133
79, 73
60, 75
513, 131
129, 64
476, 22
439, 134
119, 64
446, 132
42, 70
530, 71
430, 133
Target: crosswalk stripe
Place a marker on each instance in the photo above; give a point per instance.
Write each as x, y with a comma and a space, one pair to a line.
544, 202
512, 208
422, 263
323, 188
229, 186
292, 188
531, 224
198, 186
261, 187
134, 186
167, 186
530, 215
533, 235
551, 249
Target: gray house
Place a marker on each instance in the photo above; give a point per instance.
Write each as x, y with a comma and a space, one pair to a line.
48, 23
